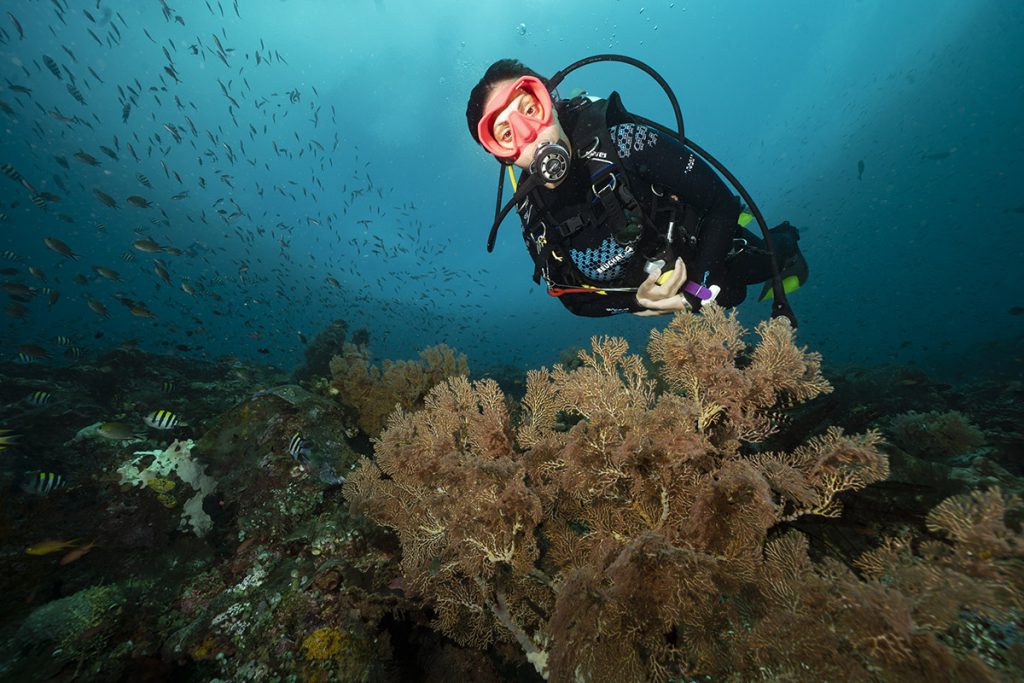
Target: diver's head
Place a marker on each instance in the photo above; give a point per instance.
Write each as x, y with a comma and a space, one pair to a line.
510, 113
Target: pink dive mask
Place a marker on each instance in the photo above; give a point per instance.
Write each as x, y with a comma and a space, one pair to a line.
517, 126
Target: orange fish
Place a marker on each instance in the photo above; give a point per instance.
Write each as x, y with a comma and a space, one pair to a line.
51, 546
77, 553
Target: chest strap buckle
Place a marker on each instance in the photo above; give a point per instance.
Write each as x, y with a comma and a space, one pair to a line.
571, 226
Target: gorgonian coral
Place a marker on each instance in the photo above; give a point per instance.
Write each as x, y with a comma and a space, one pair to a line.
621, 532
935, 435
373, 391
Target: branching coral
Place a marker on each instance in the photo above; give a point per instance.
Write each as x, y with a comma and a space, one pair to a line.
903, 610
704, 358
373, 392
445, 479
636, 544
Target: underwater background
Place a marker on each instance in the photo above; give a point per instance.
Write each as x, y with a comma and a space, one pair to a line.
204, 201
344, 153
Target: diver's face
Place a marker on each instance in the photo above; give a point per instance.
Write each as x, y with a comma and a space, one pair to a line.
521, 116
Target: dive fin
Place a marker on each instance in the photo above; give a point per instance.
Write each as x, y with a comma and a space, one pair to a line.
794, 275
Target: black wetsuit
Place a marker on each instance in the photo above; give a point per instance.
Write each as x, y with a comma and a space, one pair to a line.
715, 249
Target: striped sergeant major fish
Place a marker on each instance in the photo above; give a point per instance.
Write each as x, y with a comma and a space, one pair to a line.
8, 438
39, 398
162, 419
299, 447
42, 483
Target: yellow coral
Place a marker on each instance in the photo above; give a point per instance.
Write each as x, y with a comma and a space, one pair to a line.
161, 485
167, 500
204, 650
323, 643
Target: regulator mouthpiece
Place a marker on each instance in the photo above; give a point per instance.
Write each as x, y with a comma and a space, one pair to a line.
551, 162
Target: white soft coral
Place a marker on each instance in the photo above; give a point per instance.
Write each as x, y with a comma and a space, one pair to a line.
176, 459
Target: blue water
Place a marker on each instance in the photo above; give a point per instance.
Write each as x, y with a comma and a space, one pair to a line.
376, 182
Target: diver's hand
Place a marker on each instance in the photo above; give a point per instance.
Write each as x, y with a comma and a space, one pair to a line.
663, 298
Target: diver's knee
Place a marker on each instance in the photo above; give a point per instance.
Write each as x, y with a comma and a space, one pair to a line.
784, 240
786, 228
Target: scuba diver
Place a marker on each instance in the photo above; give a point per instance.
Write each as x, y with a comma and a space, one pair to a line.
621, 214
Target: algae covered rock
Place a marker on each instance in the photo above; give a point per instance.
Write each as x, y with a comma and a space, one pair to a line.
264, 425
64, 619
72, 628
268, 484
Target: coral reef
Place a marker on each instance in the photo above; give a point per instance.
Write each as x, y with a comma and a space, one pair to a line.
373, 391
76, 627
935, 435
611, 516
175, 459
323, 643
616, 531
898, 612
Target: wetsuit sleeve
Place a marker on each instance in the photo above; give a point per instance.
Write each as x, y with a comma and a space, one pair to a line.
660, 159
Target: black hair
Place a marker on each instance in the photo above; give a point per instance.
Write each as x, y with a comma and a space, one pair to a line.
501, 70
